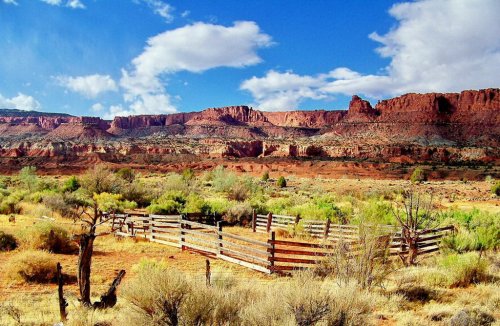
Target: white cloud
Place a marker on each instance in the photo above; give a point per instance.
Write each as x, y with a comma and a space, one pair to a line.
75, 4
436, 46
20, 102
185, 13
90, 86
194, 48
97, 107
52, 2
283, 91
11, 2
160, 8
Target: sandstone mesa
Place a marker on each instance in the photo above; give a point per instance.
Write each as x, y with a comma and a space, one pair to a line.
435, 128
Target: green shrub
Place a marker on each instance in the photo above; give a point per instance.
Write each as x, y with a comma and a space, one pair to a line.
281, 183
495, 189
28, 178
418, 175
195, 204
71, 185
126, 174
378, 211
279, 205
223, 180
7, 242
476, 230
10, 203
49, 237
188, 174
265, 176
463, 270
171, 202
32, 267
218, 205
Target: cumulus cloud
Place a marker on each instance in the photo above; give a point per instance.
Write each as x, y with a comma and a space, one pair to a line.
20, 102
90, 86
283, 91
436, 46
194, 48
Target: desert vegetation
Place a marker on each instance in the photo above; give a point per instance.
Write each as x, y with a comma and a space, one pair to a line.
44, 219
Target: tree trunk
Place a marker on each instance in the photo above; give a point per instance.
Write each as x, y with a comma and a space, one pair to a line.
84, 265
62, 301
108, 300
412, 252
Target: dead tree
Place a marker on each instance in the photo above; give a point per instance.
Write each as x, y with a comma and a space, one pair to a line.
415, 216
108, 300
62, 301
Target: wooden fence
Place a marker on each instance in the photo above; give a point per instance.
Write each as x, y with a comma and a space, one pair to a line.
271, 256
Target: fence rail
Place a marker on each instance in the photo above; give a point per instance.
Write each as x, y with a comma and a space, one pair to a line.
274, 255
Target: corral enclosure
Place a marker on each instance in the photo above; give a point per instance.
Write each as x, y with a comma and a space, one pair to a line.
276, 254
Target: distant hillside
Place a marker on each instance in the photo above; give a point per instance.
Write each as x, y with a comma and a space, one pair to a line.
22, 113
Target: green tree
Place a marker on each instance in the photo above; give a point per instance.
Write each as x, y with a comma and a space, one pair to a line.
99, 192
495, 189
418, 175
281, 182
72, 184
265, 176
28, 178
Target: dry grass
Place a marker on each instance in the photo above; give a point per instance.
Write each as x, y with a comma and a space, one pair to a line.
32, 267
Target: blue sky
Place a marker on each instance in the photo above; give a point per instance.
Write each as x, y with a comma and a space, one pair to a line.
121, 57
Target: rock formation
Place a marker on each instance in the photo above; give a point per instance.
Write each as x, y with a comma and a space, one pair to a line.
435, 128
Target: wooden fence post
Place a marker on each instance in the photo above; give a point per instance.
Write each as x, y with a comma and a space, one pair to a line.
219, 232
271, 250
254, 221
62, 301
269, 221
327, 229
181, 225
296, 223
207, 272
403, 242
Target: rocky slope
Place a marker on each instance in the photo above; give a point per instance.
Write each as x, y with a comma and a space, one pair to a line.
451, 128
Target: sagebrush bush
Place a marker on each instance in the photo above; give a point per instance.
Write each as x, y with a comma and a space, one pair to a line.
463, 270
32, 267
239, 192
48, 236
57, 203
223, 180
7, 242
307, 303
239, 214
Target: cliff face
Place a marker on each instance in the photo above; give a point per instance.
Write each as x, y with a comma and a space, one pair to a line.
441, 128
